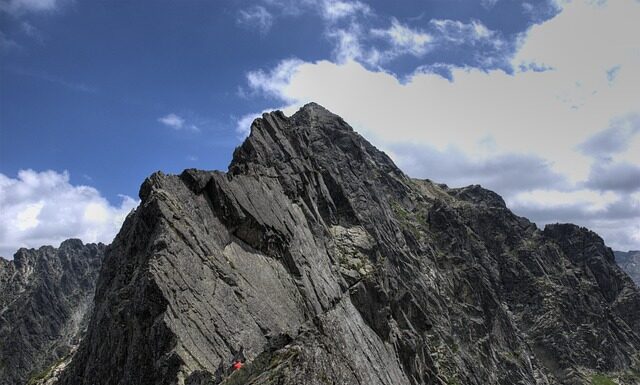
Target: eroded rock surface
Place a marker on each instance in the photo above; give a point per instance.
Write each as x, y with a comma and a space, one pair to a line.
320, 262
46, 296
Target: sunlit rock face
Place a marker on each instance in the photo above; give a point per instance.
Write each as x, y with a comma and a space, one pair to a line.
318, 261
46, 296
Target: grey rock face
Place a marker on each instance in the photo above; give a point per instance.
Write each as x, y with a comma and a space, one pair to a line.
629, 262
318, 261
45, 300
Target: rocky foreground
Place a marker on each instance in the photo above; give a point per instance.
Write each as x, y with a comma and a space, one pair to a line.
46, 296
317, 261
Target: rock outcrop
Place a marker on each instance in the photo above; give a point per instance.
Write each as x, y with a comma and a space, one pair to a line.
46, 296
320, 262
630, 262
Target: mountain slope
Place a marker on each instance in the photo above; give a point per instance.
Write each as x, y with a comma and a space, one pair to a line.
316, 259
630, 262
45, 301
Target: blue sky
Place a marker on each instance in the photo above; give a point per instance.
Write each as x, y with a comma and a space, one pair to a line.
95, 96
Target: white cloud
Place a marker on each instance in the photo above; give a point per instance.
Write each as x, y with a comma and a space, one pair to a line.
28, 217
243, 128
272, 82
591, 200
347, 45
547, 115
256, 17
458, 32
177, 123
43, 208
404, 39
336, 9
173, 121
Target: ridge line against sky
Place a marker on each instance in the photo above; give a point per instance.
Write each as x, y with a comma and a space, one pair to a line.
539, 101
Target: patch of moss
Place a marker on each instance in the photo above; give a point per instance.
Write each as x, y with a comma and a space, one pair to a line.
599, 379
400, 212
453, 381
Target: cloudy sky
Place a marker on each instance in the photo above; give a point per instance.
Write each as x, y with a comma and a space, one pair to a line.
538, 100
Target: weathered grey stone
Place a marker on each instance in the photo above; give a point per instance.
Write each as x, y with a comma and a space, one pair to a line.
316, 259
46, 296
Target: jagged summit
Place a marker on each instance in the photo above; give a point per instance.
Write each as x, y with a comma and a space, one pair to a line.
317, 261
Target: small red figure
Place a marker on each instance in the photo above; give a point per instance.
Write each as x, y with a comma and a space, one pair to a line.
237, 365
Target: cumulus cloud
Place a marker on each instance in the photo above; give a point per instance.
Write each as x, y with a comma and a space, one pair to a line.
177, 123
44, 208
557, 122
256, 17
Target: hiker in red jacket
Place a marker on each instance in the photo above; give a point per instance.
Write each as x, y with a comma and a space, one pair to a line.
237, 364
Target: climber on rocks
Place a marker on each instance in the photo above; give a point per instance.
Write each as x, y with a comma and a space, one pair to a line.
237, 365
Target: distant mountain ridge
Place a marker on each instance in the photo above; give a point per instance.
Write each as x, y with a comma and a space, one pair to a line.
46, 296
629, 261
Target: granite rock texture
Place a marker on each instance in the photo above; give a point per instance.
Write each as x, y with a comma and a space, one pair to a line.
46, 296
318, 261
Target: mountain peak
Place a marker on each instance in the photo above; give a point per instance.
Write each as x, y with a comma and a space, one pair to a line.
314, 247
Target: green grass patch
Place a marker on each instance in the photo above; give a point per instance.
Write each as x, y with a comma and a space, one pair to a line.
599, 379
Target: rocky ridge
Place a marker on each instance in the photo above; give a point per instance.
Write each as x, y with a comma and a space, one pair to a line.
630, 262
45, 302
320, 262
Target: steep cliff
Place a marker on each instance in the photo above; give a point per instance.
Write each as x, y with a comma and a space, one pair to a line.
45, 301
320, 262
630, 262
